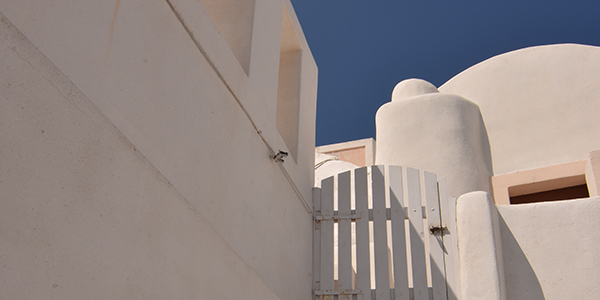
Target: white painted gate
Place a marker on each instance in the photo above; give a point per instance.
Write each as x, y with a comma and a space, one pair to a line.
379, 235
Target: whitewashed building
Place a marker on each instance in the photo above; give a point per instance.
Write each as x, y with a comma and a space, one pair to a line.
516, 139
165, 150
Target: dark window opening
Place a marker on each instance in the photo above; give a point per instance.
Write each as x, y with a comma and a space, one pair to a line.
573, 192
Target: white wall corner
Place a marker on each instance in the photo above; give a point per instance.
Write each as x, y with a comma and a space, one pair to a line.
479, 244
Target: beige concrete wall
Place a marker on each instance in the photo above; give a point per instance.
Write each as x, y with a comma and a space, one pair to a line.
539, 104
550, 251
83, 213
546, 250
199, 183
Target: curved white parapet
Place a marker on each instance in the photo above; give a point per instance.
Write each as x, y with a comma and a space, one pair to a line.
441, 133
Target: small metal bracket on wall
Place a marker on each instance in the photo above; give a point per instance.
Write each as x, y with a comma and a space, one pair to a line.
279, 157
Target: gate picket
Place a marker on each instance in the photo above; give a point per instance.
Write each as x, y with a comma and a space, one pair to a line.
327, 235
436, 246
317, 240
417, 242
344, 233
448, 207
363, 261
401, 291
380, 234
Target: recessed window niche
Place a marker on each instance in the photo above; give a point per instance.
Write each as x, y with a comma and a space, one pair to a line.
234, 20
552, 183
288, 90
566, 188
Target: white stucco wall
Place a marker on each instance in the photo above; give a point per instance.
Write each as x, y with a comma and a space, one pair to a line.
198, 201
539, 104
550, 250
440, 133
544, 250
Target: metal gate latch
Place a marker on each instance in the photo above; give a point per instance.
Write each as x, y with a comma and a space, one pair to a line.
438, 229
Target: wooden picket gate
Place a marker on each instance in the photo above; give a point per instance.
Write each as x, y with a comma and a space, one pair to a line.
388, 238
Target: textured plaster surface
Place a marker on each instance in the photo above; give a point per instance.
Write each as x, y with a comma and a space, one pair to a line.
139, 66
83, 213
550, 249
480, 250
539, 104
440, 133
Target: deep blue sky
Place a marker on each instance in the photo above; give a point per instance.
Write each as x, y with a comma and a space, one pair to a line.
364, 48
